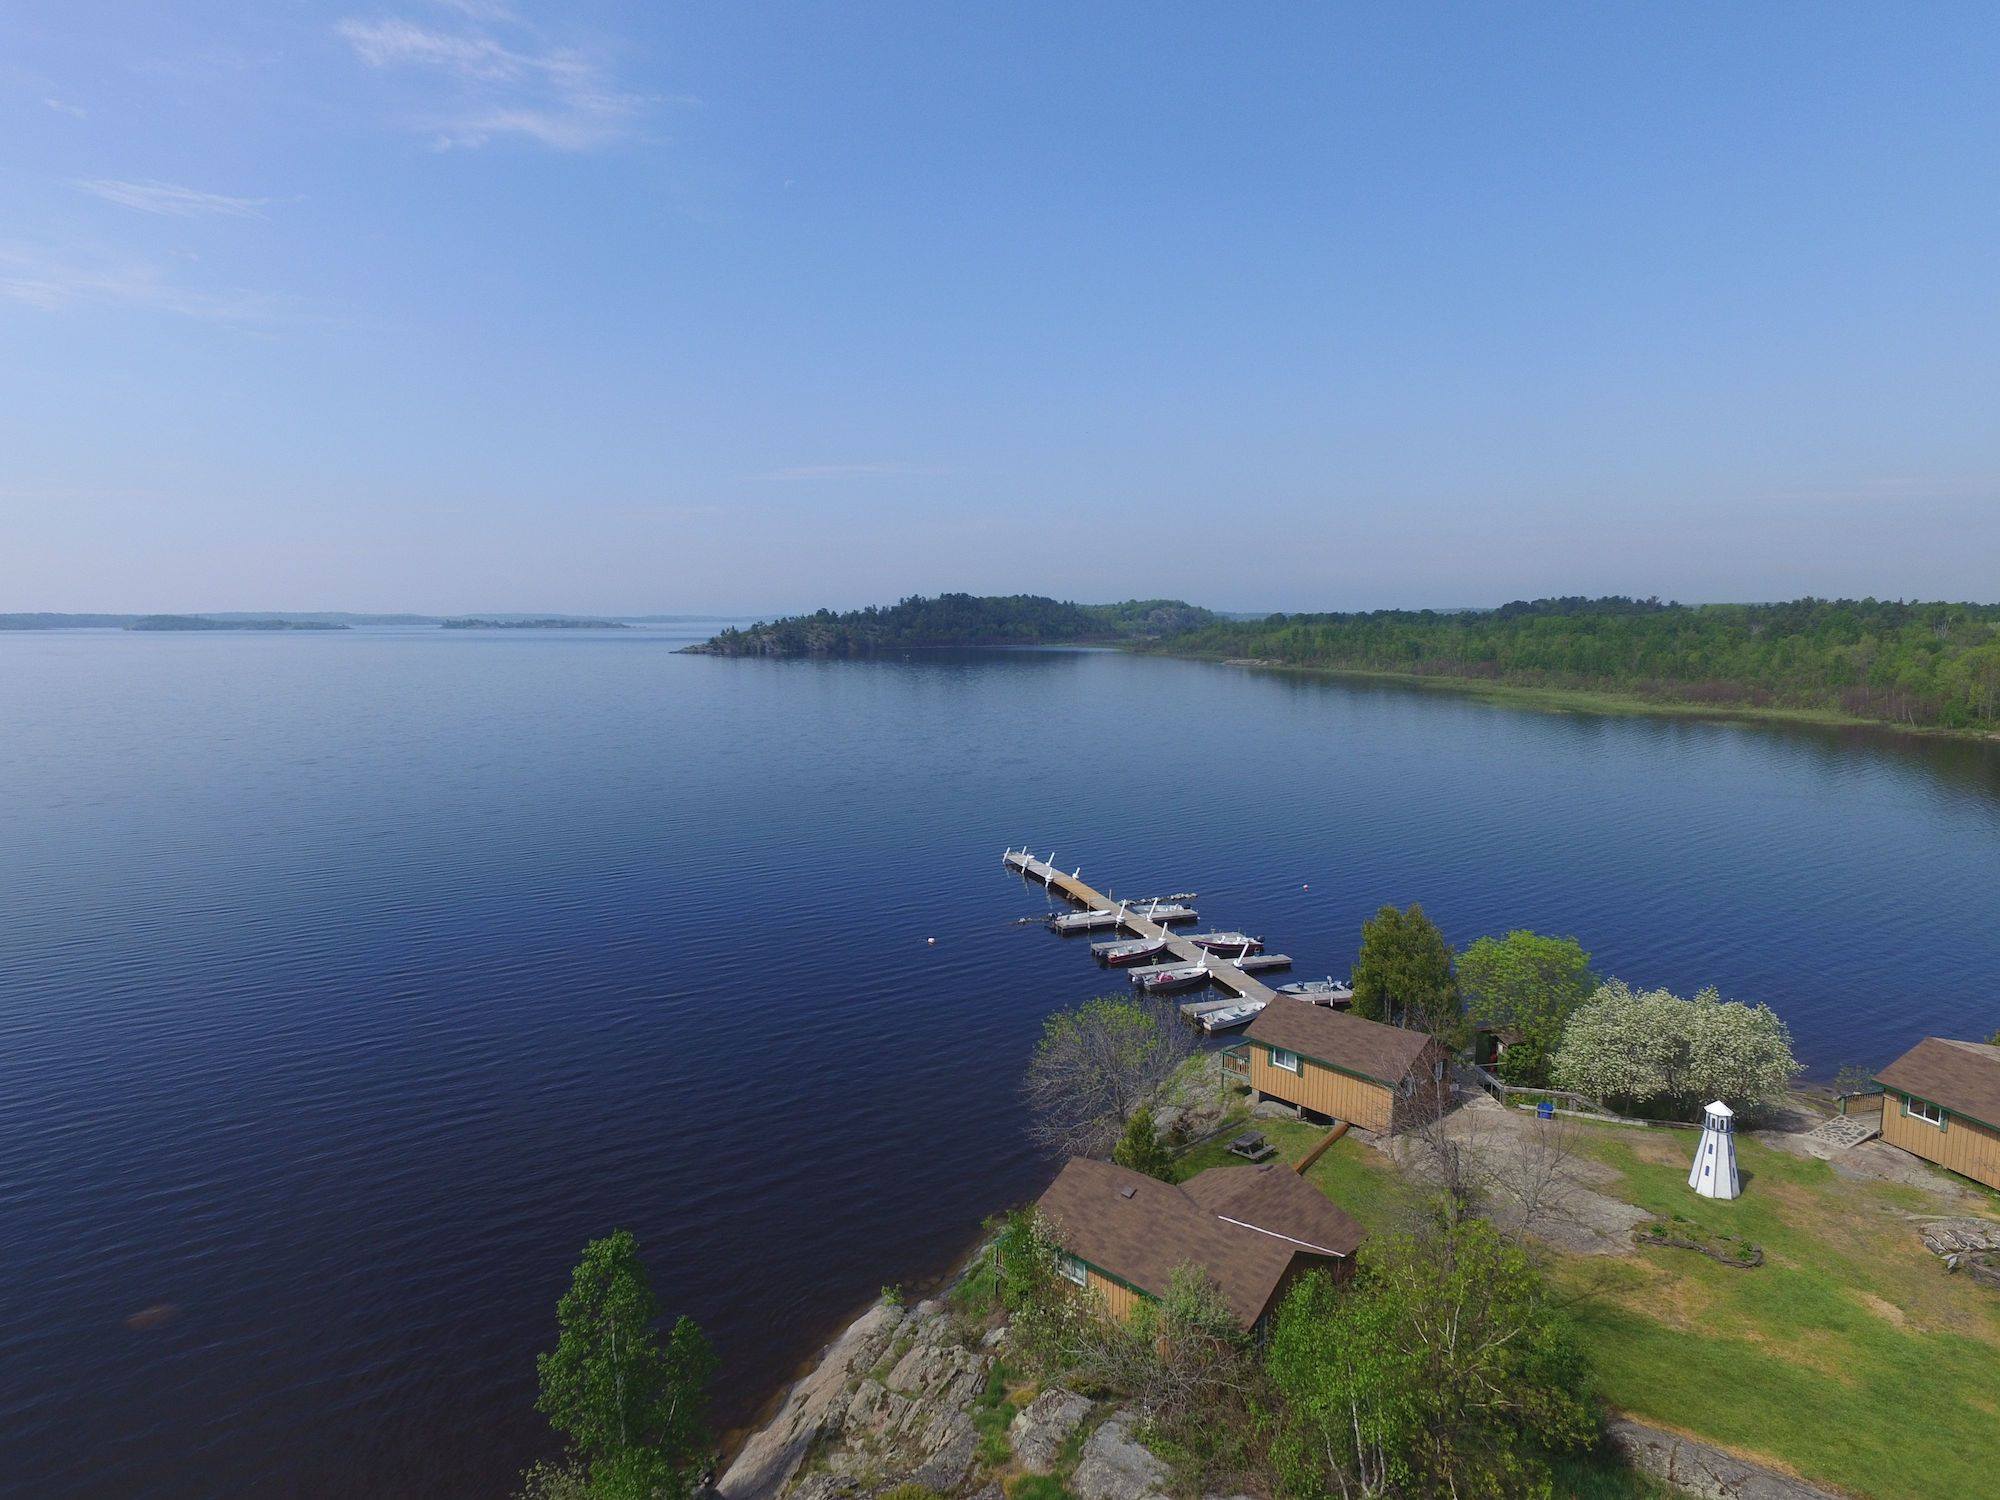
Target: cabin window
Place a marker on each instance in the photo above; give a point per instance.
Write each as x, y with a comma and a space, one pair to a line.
1437, 1071
1280, 1058
1074, 1269
1916, 1109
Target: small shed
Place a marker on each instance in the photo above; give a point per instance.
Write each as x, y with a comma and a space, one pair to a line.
1490, 1041
1941, 1101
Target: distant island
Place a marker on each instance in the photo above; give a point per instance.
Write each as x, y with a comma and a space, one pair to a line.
549, 624
960, 620
203, 622
1929, 666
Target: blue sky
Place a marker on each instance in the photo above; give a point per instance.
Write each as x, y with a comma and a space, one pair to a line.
645, 307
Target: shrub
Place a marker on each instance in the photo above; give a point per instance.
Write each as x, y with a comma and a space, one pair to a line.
1141, 1150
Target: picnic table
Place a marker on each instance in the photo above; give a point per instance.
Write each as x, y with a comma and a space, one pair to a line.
1252, 1146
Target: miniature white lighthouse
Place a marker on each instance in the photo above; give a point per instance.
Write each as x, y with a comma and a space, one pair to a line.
1713, 1174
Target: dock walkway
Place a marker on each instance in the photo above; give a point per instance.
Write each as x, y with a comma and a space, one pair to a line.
1070, 885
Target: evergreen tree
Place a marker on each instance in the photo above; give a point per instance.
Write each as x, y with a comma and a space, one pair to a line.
1404, 973
1142, 1150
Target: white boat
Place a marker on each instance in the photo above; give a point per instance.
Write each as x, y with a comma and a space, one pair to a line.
1227, 944
1327, 991
1230, 1017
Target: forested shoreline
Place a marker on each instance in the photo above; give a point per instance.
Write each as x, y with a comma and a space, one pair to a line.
959, 620
1918, 665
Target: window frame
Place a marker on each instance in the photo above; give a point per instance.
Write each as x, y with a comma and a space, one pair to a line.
1931, 1114
1072, 1268
1295, 1067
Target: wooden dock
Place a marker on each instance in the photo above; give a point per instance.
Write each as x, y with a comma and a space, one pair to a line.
1070, 885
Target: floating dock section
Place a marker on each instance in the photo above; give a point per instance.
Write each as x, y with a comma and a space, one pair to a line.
1070, 885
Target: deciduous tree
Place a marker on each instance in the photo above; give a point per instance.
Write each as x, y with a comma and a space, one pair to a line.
635, 1410
1653, 1050
1095, 1065
1442, 1368
1530, 984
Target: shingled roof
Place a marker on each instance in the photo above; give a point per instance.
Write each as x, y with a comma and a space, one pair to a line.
1964, 1077
1242, 1225
1382, 1054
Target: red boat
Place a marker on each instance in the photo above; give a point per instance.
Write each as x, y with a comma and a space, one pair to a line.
1134, 951
1168, 981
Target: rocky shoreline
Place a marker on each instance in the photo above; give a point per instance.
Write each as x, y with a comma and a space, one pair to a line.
892, 1404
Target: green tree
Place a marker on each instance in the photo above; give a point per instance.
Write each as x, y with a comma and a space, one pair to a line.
1404, 973
1141, 1148
1650, 1050
1095, 1065
635, 1410
1443, 1368
1531, 984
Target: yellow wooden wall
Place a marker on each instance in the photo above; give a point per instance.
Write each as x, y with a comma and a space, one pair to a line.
1118, 1300
1368, 1105
1964, 1146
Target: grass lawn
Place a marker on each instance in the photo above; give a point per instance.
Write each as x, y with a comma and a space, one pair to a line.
1850, 1355
1359, 1178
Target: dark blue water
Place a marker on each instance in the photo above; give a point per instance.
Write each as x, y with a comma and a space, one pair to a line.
349, 983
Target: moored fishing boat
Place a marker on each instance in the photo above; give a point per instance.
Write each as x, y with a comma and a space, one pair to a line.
1227, 944
1131, 951
1329, 991
1168, 980
1229, 1017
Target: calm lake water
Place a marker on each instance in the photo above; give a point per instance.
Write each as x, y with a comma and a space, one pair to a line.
350, 982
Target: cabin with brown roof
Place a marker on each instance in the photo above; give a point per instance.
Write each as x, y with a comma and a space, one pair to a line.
1382, 1078
1254, 1230
1941, 1101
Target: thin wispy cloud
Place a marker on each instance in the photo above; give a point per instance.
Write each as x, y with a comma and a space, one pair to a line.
63, 107
878, 470
53, 283
502, 78
172, 200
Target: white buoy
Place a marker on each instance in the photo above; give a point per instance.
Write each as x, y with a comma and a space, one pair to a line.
931, 941
1713, 1174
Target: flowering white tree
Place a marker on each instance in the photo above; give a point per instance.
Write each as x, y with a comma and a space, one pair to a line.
1643, 1048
